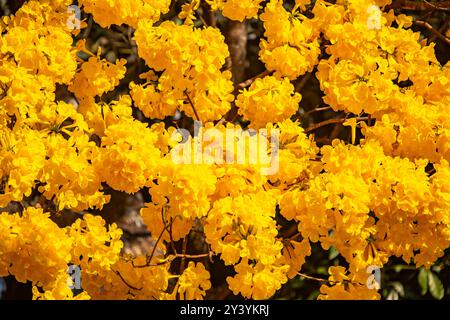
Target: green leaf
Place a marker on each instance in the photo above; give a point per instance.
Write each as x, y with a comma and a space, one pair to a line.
435, 285
423, 280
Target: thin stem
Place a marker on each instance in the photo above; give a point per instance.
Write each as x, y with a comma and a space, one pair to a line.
312, 278
149, 259
202, 20
428, 26
303, 82
418, 6
441, 30
192, 105
87, 31
295, 236
172, 243
127, 284
319, 109
194, 256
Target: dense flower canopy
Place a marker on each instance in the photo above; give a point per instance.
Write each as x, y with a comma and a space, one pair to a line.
382, 193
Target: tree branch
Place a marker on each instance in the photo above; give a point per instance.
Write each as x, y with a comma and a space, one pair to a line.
236, 39
192, 105
428, 26
419, 6
331, 121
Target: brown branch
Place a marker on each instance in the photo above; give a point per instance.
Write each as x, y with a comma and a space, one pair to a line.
208, 15
419, 6
318, 109
248, 82
295, 236
236, 39
126, 283
177, 256
299, 87
88, 29
150, 257
432, 30
192, 105
183, 256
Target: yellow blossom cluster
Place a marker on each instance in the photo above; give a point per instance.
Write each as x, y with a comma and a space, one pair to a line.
193, 282
292, 47
97, 77
347, 286
22, 156
375, 205
268, 100
243, 231
236, 9
108, 12
390, 73
190, 60
22, 258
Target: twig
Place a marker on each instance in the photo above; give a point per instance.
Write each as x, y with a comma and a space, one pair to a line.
434, 6
318, 109
331, 121
441, 30
194, 256
172, 243
183, 256
149, 258
127, 284
209, 15
192, 105
248, 82
324, 123
296, 235
303, 82
202, 20
419, 6
87, 31
176, 256
236, 37
312, 278
432, 30
292, 231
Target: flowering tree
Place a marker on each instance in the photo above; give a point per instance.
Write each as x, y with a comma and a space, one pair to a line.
266, 141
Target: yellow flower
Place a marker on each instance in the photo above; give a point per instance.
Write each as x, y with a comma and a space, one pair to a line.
193, 282
235, 9
268, 100
97, 77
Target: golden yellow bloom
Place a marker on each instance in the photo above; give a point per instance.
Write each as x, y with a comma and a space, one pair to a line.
268, 100
194, 282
